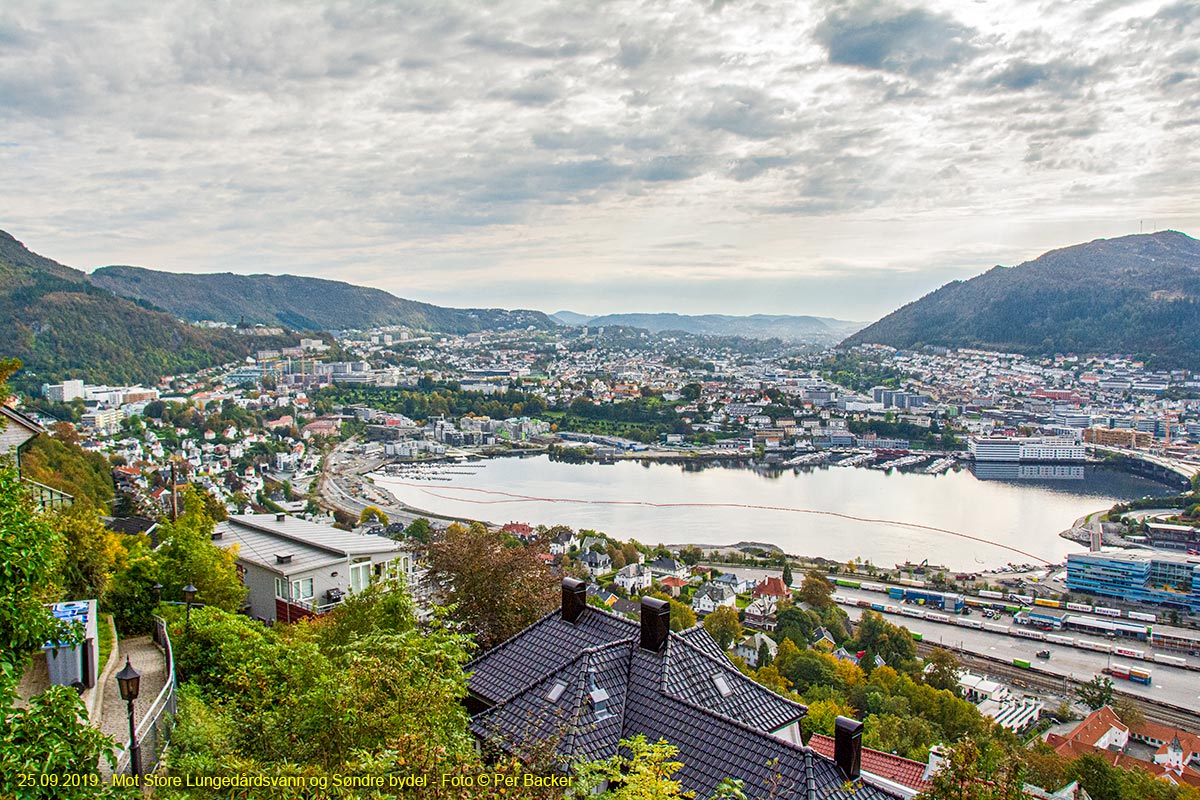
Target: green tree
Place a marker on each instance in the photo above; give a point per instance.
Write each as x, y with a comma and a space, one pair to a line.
682, 615
419, 529
973, 772
942, 669
187, 554
1096, 693
787, 573
723, 626
51, 734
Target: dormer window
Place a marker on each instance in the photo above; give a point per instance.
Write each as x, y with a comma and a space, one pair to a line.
598, 697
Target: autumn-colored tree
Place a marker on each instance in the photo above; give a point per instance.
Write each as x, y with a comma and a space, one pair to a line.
644, 774
816, 590
372, 514
495, 586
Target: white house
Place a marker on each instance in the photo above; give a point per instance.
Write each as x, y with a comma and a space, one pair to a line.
748, 648
633, 578
665, 567
564, 543
711, 596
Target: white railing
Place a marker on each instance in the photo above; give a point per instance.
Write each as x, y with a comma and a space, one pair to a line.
154, 731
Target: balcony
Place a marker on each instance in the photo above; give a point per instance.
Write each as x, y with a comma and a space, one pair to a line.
48, 498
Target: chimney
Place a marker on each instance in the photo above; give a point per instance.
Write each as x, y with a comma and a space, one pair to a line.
656, 624
574, 599
847, 746
279, 517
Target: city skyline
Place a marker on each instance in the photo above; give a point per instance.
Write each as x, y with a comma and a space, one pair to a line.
817, 158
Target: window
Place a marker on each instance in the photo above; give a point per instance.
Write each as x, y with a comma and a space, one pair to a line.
302, 589
281, 589
360, 576
556, 691
722, 684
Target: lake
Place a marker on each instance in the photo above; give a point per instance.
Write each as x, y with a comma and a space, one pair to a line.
968, 522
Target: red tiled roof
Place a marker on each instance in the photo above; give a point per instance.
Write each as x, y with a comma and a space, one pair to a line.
771, 587
1095, 725
673, 581
897, 769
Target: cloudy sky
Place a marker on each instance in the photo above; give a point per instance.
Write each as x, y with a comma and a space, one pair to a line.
716, 156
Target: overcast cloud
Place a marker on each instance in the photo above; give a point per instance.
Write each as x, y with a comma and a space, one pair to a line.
739, 157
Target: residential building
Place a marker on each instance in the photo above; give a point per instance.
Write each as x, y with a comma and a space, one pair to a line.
595, 563
293, 568
634, 578
761, 614
711, 596
665, 567
583, 679
772, 587
733, 581
903, 775
749, 648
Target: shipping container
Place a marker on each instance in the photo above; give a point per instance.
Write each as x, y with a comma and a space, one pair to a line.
1079, 607
1047, 603
1174, 661
1107, 612
991, 595
1142, 616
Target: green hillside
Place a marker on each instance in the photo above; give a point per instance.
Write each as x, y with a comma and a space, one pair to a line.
61, 326
1136, 295
306, 303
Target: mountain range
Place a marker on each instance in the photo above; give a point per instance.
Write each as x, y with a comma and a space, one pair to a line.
1136, 295
757, 326
61, 326
299, 303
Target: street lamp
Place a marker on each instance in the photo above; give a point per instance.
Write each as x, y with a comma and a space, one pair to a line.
129, 680
189, 597
157, 589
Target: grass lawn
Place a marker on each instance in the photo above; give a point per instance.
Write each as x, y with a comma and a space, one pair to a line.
106, 639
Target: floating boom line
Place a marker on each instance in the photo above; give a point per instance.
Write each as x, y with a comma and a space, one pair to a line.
510, 497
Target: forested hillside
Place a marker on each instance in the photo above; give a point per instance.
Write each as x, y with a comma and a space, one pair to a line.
303, 303
1137, 295
61, 326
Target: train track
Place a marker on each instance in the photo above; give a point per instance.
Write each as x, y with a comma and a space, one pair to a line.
1165, 713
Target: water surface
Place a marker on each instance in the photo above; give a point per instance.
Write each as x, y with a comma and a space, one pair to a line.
794, 509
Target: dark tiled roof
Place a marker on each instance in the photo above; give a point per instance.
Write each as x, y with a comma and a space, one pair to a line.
672, 696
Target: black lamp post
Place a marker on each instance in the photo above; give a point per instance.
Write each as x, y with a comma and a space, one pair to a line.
157, 589
189, 597
129, 680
